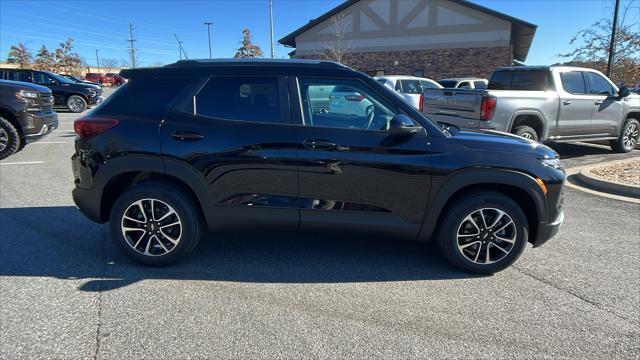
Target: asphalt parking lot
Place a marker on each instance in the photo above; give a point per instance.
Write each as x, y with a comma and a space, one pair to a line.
65, 291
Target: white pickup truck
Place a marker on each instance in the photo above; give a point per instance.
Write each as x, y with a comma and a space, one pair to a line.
555, 103
410, 88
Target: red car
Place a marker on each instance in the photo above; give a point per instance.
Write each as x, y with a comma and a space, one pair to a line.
116, 79
104, 79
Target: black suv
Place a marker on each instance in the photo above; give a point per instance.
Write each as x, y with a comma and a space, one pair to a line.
76, 97
26, 114
303, 145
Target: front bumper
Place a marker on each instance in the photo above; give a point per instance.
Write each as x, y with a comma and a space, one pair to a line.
40, 125
548, 230
94, 100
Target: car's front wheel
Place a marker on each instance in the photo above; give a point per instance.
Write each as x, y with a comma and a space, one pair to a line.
483, 232
628, 138
10, 141
156, 224
76, 103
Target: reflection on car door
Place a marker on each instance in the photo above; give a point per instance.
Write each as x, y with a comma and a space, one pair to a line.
352, 172
607, 107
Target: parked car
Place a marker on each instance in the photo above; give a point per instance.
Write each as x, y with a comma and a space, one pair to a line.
76, 97
78, 80
94, 78
209, 144
26, 115
464, 83
555, 103
410, 88
117, 80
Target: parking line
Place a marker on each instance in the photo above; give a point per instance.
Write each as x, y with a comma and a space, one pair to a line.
22, 163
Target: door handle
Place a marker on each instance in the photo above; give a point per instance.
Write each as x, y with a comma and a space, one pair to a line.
566, 102
187, 136
318, 144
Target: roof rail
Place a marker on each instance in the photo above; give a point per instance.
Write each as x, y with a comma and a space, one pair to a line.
254, 61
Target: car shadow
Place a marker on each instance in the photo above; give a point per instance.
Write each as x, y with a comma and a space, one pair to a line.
60, 242
570, 151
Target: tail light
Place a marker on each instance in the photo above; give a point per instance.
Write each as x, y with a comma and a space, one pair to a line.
87, 126
421, 102
487, 108
354, 97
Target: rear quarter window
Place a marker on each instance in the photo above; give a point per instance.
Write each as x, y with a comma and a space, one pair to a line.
148, 97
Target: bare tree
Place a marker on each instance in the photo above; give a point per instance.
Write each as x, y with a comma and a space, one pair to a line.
592, 47
67, 61
109, 64
336, 47
20, 55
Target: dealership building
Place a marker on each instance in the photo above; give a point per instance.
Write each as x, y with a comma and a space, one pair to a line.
430, 38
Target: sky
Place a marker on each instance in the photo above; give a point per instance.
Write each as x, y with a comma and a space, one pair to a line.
104, 25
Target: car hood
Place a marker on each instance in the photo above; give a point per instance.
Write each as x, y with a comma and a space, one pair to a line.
492, 140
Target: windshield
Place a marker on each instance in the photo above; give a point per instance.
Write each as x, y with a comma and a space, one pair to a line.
61, 79
448, 83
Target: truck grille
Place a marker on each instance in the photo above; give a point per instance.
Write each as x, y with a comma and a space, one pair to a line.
46, 102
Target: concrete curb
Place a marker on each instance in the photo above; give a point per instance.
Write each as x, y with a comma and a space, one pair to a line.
588, 183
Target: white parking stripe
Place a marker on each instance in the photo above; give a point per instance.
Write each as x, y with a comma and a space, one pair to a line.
22, 163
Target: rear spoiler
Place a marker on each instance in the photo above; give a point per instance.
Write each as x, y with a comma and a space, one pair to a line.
135, 73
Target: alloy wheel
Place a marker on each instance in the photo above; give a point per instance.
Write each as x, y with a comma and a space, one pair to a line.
527, 136
630, 136
486, 236
76, 105
151, 227
4, 139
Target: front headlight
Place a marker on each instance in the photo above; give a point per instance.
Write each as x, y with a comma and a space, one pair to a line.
551, 162
26, 94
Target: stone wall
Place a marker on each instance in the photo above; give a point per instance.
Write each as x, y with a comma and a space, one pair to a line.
436, 63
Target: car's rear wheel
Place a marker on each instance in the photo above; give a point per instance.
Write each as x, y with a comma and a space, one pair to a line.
526, 132
156, 224
10, 141
76, 104
483, 232
628, 138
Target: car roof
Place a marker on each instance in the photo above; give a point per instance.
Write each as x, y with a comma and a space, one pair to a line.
463, 79
402, 77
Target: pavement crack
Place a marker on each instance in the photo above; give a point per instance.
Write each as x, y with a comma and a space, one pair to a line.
578, 296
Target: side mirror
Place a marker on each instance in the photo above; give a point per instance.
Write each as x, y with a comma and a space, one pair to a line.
402, 125
624, 92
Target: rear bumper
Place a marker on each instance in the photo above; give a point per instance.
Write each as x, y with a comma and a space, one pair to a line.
548, 230
88, 202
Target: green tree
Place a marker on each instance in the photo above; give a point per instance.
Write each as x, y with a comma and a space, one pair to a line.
20, 55
44, 60
247, 50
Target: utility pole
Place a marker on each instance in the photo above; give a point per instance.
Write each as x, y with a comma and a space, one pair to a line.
180, 49
209, 34
132, 51
97, 61
612, 44
271, 25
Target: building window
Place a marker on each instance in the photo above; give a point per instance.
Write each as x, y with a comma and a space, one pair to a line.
379, 72
418, 73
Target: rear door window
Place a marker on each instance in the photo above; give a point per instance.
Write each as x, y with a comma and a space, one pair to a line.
573, 82
464, 85
241, 98
479, 84
19, 75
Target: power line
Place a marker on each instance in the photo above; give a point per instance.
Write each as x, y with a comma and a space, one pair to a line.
132, 51
180, 49
612, 44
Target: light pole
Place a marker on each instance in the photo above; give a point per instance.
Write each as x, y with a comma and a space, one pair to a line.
271, 25
612, 44
97, 61
209, 35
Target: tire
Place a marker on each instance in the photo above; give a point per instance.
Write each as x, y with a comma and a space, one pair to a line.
628, 138
468, 252
10, 141
526, 132
167, 246
76, 104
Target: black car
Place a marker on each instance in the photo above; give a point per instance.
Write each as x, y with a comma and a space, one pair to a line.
80, 81
76, 97
209, 144
26, 114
